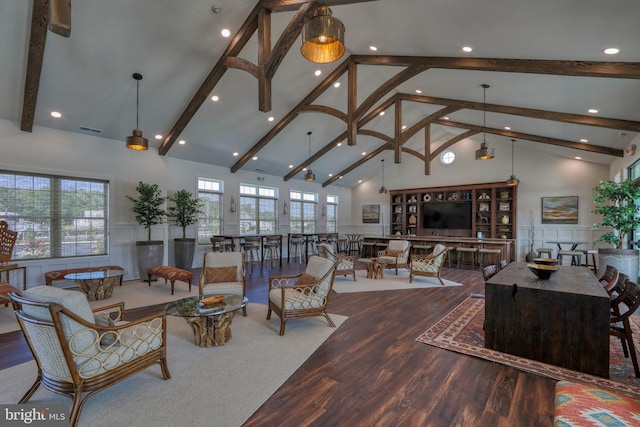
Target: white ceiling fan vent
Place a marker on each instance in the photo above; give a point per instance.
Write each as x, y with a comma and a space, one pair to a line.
92, 130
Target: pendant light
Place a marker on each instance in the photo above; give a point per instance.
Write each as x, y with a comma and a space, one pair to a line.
513, 181
322, 37
137, 141
484, 152
383, 189
309, 176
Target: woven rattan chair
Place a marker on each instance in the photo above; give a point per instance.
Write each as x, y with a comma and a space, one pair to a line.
429, 265
304, 295
396, 254
223, 273
346, 263
80, 352
7, 242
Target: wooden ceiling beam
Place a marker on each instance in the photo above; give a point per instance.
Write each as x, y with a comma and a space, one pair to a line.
324, 150
356, 164
60, 17
291, 5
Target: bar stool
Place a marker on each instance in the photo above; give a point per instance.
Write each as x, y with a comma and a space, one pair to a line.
217, 243
450, 251
576, 257
343, 244
484, 252
272, 248
547, 251
250, 248
354, 245
296, 244
461, 251
368, 249
593, 253
333, 241
421, 248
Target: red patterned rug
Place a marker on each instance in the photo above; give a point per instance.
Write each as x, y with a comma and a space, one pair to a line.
461, 331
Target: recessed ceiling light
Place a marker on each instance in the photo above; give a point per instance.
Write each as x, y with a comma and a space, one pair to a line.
359, 181
236, 154
611, 50
318, 72
340, 177
382, 113
290, 166
507, 128
592, 110
364, 153
373, 48
336, 85
225, 32
467, 49
339, 144
446, 117
254, 158
215, 98
418, 91
304, 169
182, 142
404, 127
584, 140
271, 119
56, 114
330, 175
158, 136
578, 158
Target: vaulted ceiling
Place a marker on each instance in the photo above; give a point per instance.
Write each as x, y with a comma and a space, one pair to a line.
543, 60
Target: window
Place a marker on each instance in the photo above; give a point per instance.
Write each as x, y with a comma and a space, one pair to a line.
332, 214
447, 157
258, 209
302, 213
55, 216
210, 191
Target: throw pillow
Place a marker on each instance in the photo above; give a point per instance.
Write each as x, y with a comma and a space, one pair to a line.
305, 279
221, 274
107, 338
394, 253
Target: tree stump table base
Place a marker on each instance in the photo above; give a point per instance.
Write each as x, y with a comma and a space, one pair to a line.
211, 331
375, 269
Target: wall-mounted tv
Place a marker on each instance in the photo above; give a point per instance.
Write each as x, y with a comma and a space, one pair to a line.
447, 215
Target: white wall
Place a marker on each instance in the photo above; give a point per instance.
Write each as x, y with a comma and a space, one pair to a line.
56, 152
540, 175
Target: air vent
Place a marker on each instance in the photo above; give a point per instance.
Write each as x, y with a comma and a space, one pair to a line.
92, 130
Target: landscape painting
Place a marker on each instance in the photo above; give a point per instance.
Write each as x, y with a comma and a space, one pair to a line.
560, 210
370, 214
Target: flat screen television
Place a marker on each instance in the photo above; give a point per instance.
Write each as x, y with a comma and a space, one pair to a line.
447, 215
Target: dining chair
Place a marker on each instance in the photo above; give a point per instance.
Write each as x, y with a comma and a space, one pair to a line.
609, 279
620, 326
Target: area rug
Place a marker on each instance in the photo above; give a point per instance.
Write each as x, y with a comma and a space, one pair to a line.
461, 331
135, 293
345, 284
219, 386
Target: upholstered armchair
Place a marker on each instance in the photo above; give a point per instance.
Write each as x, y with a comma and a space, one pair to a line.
429, 265
346, 264
223, 273
396, 254
79, 351
304, 295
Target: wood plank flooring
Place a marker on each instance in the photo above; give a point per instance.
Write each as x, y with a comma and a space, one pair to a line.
372, 372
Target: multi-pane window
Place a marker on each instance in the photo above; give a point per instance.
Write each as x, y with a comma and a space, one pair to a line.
332, 214
210, 191
258, 209
302, 212
55, 216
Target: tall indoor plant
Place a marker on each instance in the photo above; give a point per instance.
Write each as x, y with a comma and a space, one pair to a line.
184, 212
617, 203
149, 212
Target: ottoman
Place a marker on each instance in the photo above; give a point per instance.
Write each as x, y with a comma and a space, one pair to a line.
171, 274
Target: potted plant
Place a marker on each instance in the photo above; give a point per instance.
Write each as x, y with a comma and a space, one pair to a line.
616, 203
184, 212
148, 210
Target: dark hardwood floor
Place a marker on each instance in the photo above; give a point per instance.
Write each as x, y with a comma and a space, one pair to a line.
372, 372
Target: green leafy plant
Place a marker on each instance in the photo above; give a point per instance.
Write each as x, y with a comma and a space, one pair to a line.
148, 206
185, 209
616, 202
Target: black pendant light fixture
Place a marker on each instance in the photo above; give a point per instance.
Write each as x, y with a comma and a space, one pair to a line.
484, 152
309, 176
322, 37
513, 181
137, 141
383, 189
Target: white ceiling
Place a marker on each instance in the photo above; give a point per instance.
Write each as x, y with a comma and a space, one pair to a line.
174, 45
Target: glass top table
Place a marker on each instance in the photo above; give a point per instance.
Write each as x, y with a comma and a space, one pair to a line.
211, 324
97, 285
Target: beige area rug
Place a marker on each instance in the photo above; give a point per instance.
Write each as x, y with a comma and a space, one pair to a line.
218, 386
345, 284
135, 293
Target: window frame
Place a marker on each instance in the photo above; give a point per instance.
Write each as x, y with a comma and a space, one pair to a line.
333, 201
306, 203
205, 220
264, 199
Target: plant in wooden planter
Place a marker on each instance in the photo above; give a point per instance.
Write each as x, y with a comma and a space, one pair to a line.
184, 212
149, 212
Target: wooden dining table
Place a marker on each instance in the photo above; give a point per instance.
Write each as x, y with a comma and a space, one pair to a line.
239, 238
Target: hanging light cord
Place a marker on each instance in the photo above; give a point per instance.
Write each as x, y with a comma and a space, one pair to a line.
137, 101
484, 114
382, 172
309, 165
512, 155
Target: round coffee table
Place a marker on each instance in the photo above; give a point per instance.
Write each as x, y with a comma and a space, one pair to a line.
211, 324
97, 285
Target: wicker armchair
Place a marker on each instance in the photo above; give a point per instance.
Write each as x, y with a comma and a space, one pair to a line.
346, 264
396, 254
304, 295
429, 265
80, 352
223, 273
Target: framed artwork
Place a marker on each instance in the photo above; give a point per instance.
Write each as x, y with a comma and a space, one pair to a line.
560, 210
504, 206
371, 214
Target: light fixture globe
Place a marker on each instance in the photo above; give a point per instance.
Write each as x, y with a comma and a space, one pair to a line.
513, 181
484, 152
322, 37
136, 141
309, 176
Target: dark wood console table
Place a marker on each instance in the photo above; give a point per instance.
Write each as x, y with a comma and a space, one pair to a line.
563, 321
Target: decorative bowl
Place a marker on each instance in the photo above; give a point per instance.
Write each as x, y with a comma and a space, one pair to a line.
546, 261
543, 271
374, 259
